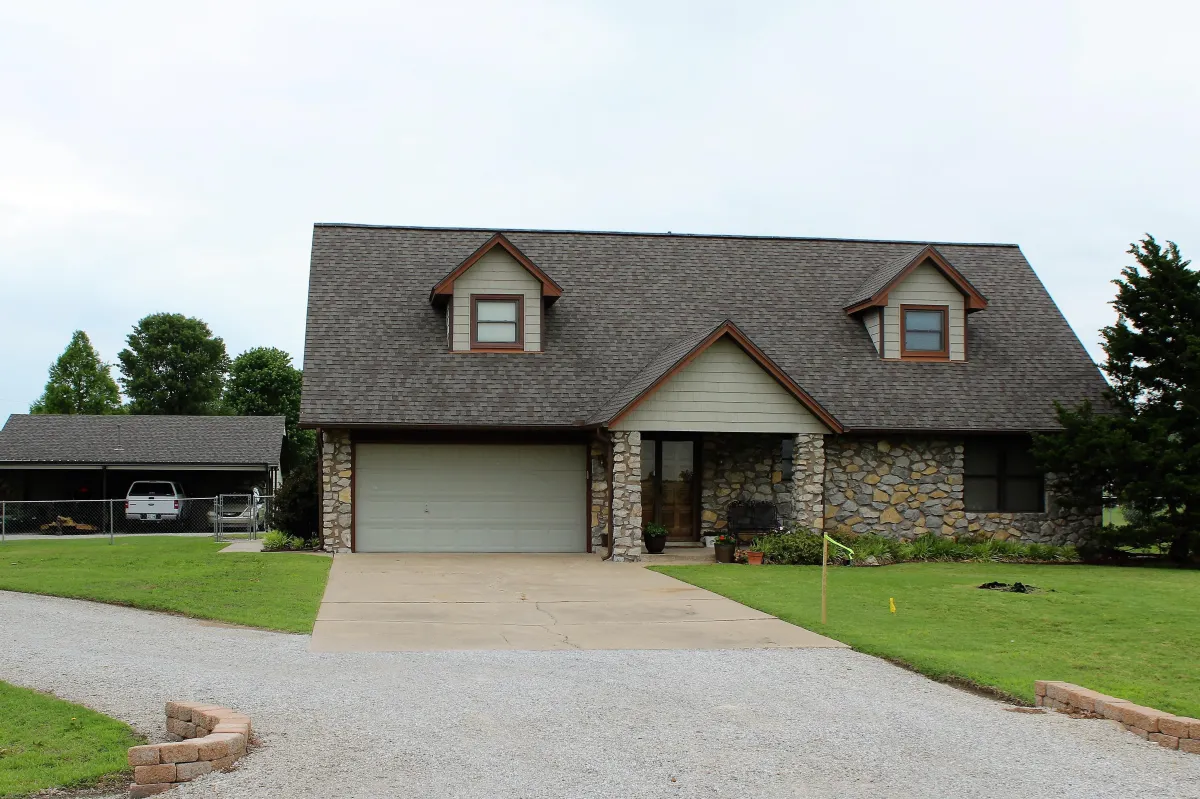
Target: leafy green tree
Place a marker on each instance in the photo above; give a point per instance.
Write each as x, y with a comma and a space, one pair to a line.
79, 382
296, 512
1145, 454
173, 365
263, 382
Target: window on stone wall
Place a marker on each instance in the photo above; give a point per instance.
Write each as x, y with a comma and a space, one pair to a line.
1000, 475
786, 454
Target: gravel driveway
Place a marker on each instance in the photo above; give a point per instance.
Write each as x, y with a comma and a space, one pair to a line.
738, 723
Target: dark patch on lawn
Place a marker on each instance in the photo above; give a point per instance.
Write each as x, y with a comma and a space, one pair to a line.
1013, 588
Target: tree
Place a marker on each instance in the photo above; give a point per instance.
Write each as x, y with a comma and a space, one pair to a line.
263, 382
79, 382
295, 511
1145, 454
173, 365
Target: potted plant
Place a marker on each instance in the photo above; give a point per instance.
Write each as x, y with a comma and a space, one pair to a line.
754, 555
655, 536
724, 546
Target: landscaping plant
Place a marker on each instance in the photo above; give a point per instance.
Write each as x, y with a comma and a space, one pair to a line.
802, 547
278, 541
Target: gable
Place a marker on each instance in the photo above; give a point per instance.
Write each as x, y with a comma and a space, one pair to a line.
496, 274
925, 286
722, 389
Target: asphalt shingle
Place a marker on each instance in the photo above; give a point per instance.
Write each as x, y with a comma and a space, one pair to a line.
376, 350
216, 440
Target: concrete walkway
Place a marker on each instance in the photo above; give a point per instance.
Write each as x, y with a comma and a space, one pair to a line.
243, 546
426, 602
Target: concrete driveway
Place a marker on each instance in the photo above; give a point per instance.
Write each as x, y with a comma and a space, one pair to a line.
427, 602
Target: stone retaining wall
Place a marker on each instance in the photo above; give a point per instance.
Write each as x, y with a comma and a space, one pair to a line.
204, 738
1165, 729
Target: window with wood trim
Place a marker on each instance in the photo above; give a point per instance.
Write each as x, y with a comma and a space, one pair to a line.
1000, 475
497, 322
924, 331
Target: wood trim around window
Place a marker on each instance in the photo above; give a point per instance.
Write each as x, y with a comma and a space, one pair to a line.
926, 355
495, 346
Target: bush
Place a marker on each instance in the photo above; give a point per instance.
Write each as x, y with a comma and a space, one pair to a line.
278, 541
802, 547
296, 504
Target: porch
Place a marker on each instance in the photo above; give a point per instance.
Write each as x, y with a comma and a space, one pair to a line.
704, 483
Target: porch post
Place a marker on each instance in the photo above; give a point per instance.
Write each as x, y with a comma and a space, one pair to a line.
808, 480
627, 496
336, 492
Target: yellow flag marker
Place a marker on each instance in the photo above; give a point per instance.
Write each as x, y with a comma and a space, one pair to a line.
891, 604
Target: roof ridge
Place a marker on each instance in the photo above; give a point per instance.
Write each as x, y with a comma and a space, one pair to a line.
668, 234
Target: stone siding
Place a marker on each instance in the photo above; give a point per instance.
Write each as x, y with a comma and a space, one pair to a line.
598, 513
742, 467
627, 496
336, 499
906, 487
808, 481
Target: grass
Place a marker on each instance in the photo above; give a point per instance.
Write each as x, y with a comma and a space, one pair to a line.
46, 742
1128, 632
180, 575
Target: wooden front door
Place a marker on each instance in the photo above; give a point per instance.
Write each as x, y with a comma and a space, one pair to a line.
670, 485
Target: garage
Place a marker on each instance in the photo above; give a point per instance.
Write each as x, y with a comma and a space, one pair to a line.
470, 498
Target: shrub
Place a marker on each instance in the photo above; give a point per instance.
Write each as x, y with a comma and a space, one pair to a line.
278, 541
655, 530
802, 547
296, 504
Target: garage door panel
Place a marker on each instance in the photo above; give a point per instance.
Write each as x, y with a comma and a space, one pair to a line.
470, 498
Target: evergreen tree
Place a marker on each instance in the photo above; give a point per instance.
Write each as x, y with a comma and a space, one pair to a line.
173, 365
1146, 453
79, 382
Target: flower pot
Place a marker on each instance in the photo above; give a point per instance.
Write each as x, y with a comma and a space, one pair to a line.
724, 552
655, 544
754, 558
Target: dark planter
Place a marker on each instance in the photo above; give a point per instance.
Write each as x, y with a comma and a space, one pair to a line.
655, 544
724, 552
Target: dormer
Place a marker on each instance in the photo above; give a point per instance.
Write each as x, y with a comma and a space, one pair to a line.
915, 308
495, 300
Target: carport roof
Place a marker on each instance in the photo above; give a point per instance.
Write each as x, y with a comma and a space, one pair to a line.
159, 440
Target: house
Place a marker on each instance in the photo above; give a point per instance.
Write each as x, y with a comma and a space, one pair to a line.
549, 391
69, 457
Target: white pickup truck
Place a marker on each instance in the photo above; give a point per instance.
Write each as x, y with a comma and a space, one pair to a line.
154, 500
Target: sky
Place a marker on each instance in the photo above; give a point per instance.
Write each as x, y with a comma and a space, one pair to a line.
174, 157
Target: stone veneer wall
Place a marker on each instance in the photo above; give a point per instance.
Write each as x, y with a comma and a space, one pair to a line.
906, 487
627, 495
744, 467
749, 466
336, 499
598, 513
1165, 729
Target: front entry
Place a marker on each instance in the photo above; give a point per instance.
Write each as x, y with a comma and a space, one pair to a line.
671, 485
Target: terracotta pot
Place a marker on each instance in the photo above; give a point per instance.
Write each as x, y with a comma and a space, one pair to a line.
724, 552
655, 544
754, 558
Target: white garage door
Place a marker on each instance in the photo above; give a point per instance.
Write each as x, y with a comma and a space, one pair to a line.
469, 498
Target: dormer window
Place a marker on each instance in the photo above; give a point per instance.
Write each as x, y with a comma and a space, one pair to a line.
496, 322
925, 332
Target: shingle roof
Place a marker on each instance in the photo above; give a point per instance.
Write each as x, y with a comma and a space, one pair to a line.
882, 276
209, 440
376, 351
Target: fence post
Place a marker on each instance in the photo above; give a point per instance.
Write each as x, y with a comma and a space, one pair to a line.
111, 524
3, 522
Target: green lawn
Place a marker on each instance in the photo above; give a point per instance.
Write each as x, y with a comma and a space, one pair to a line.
46, 742
278, 591
1128, 632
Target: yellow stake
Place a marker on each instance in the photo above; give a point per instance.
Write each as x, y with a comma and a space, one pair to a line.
891, 605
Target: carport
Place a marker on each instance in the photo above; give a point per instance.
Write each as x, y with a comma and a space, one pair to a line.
77, 457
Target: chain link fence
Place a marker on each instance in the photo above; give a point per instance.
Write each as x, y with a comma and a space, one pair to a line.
224, 516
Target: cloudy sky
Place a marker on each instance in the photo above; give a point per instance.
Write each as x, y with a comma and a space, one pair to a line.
172, 157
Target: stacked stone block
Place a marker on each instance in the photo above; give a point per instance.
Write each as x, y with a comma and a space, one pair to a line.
1164, 729
204, 738
598, 512
808, 481
627, 496
336, 493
